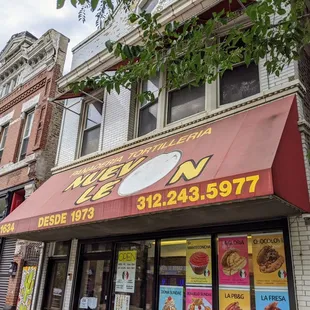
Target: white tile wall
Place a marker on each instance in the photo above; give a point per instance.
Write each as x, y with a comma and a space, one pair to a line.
300, 243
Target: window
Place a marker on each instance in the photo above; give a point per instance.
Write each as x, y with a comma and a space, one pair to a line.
3, 135
185, 102
26, 135
3, 208
62, 248
148, 5
91, 128
148, 110
239, 83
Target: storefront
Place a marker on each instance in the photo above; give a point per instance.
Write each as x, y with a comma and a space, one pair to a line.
196, 220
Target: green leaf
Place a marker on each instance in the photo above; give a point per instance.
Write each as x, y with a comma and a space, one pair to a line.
60, 3
109, 46
73, 2
94, 4
109, 4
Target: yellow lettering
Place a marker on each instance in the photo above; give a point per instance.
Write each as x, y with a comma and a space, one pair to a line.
105, 190
207, 132
128, 167
63, 218
182, 139
192, 136
57, 219
189, 170
110, 172
45, 221
92, 178
172, 143
77, 182
84, 197
52, 219
41, 221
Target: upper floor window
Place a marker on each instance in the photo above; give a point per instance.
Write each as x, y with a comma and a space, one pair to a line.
148, 110
177, 104
26, 135
148, 5
239, 83
185, 102
3, 135
91, 128
3, 208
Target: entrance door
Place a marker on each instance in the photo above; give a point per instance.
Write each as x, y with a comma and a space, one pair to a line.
92, 288
55, 290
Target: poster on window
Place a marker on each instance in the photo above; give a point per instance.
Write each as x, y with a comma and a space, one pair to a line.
26, 288
198, 262
198, 298
271, 300
235, 299
126, 272
122, 302
233, 261
170, 297
269, 260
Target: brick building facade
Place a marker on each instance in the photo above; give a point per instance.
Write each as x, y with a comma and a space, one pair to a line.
29, 128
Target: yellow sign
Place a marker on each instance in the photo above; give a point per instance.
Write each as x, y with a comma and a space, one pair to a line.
235, 299
269, 260
198, 262
127, 256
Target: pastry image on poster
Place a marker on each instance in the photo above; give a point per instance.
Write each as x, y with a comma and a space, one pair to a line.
269, 260
235, 299
198, 262
198, 298
272, 300
170, 297
233, 261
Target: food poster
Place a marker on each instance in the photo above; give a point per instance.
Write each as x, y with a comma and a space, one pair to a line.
170, 297
198, 262
272, 300
198, 298
235, 299
122, 302
233, 261
269, 260
126, 272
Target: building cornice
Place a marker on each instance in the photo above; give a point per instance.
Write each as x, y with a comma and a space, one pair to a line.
180, 10
294, 87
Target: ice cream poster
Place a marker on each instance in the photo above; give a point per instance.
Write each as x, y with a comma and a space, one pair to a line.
126, 272
198, 298
198, 262
235, 299
170, 297
233, 261
269, 260
270, 300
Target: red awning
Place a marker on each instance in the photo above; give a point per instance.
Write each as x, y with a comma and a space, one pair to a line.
252, 160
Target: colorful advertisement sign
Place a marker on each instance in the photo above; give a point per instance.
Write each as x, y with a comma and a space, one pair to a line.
126, 272
122, 302
26, 288
198, 262
269, 260
232, 299
170, 297
198, 298
233, 262
271, 300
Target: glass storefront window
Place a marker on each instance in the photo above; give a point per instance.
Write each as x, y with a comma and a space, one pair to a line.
62, 248
252, 271
134, 275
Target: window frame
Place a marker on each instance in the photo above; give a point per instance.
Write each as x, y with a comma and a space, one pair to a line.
84, 112
23, 137
218, 80
4, 127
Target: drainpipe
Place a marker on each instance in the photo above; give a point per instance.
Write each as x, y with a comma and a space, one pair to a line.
38, 278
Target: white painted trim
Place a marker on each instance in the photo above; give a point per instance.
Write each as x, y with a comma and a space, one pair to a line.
6, 118
31, 103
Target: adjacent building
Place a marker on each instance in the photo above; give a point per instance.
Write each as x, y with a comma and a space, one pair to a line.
198, 200
29, 129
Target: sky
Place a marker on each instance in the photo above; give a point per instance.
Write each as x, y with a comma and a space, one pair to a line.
38, 16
